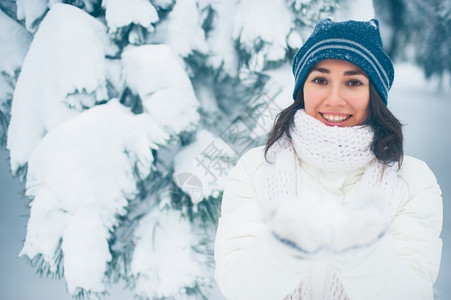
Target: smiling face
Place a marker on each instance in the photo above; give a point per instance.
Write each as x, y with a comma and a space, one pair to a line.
337, 93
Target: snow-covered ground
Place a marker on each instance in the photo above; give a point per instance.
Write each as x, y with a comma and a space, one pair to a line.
417, 103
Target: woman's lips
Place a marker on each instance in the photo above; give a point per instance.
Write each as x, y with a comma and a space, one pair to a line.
335, 119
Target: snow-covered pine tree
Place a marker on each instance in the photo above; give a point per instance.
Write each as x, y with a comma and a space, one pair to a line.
418, 31
123, 119
433, 55
12, 53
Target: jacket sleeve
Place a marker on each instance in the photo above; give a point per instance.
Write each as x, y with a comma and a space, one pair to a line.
250, 262
404, 264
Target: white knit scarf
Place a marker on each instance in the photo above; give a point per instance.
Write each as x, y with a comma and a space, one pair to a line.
334, 149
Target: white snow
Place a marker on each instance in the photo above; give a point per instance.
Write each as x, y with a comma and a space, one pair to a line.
297, 4
186, 38
164, 4
282, 78
30, 11
63, 59
80, 177
85, 255
12, 54
411, 87
6, 91
294, 40
164, 261
360, 10
276, 96
12, 51
407, 73
264, 21
209, 160
317, 224
119, 13
157, 75
207, 98
220, 38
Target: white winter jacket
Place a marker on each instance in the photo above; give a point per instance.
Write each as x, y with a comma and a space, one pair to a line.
252, 265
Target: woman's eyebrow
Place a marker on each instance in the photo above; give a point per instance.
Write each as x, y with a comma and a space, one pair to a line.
322, 70
355, 72
347, 73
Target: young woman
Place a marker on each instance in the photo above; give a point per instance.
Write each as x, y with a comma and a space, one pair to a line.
330, 208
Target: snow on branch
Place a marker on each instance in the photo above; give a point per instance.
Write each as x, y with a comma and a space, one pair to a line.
123, 13
262, 28
157, 75
164, 262
31, 12
12, 53
80, 177
182, 30
66, 57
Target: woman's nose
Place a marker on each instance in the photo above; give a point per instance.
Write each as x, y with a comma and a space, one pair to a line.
335, 96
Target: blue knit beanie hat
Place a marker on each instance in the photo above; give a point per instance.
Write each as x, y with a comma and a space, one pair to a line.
358, 42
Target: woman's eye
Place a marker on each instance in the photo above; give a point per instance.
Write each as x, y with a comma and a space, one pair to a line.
320, 80
354, 82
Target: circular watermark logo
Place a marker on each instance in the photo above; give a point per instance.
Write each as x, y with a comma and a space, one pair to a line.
191, 185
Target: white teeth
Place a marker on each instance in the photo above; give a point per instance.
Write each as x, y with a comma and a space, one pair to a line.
335, 118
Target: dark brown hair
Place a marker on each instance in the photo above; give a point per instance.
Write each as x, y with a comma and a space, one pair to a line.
387, 144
